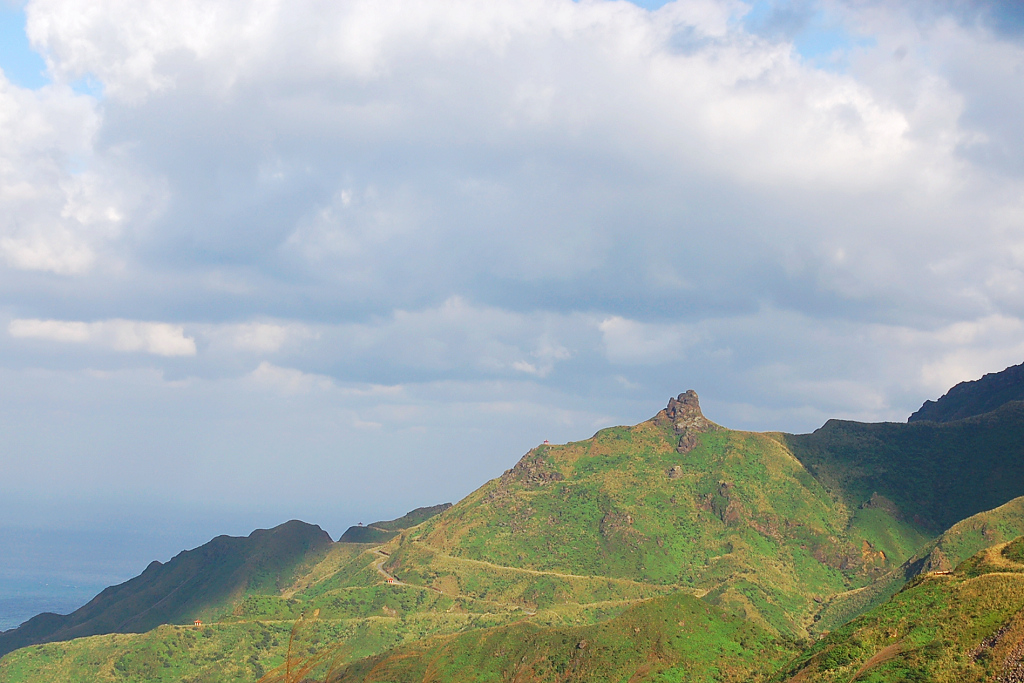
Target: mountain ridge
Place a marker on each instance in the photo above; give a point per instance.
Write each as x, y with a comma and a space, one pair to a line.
379, 532
187, 587
789, 535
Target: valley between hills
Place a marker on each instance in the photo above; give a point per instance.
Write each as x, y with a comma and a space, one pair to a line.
672, 550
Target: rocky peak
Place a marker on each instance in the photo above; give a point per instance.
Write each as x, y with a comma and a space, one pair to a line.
686, 418
685, 406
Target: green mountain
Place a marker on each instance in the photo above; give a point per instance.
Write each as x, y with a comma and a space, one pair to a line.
674, 503
674, 549
929, 474
379, 532
193, 585
955, 626
975, 397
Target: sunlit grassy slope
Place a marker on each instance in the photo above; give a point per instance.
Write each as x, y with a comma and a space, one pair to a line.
958, 543
963, 626
674, 638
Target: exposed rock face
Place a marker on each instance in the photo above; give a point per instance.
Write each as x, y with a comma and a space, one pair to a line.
936, 562
687, 420
675, 472
685, 408
533, 470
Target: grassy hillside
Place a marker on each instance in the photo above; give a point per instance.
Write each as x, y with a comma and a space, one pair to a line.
248, 636
956, 545
731, 516
963, 626
784, 535
675, 638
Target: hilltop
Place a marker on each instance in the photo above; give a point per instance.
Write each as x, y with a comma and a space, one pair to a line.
674, 503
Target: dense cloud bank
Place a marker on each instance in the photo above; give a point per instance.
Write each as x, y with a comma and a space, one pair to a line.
403, 241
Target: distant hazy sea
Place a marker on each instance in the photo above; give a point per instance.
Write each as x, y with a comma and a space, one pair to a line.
60, 570
16, 610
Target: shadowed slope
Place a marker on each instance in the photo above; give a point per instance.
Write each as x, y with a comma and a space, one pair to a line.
191, 585
934, 474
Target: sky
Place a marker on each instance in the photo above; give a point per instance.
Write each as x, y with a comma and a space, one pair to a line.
336, 260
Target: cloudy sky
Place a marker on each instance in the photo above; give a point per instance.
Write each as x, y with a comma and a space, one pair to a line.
335, 260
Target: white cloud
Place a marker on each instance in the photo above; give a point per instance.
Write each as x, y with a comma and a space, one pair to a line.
406, 212
606, 154
631, 342
289, 380
53, 217
161, 339
258, 337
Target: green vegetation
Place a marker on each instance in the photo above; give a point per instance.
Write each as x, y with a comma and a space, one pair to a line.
967, 625
736, 519
675, 638
196, 584
933, 474
956, 545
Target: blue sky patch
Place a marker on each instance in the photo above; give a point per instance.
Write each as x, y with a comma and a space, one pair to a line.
816, 35
21, 64
650, 4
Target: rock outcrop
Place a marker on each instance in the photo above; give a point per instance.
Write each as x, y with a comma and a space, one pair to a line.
687, 419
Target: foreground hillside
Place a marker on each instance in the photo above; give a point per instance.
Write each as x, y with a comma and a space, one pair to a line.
677, 637
609, 554
650, 642
961, 626
943, 553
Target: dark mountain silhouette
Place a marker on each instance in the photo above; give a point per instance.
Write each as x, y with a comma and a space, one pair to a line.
975, 397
